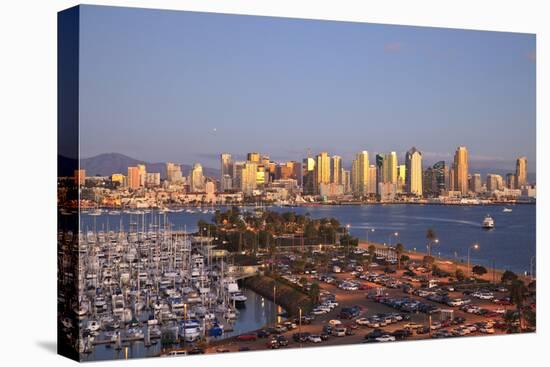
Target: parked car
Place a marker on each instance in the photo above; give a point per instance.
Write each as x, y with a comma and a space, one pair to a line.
315, 338
385, 338
246, 337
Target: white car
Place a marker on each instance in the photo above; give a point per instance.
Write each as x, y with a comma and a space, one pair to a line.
315, 339
318, 311
362, 321
335, 323
385, 338
339, 331
487, 330
486, 296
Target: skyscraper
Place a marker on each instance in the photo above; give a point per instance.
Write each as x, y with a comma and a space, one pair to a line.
308, 176
390, 168
335, 169
249, 177
372, 179
494, 182
80, 177
226, 169
475, 183
142, 174
322, 169
413, 163
360, 173
253, 157
521, 172
461, 170
173, 172
196, 178
511, 181
401, 177
133, 178
441, 172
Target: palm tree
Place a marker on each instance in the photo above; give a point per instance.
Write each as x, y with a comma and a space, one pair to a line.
518, 292
314, 292
399, 251
430, 236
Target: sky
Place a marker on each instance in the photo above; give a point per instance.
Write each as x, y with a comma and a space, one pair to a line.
161, 85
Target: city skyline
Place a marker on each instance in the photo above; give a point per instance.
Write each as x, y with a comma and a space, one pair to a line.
218, 89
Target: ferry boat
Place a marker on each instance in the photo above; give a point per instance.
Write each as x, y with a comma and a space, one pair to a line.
488, 222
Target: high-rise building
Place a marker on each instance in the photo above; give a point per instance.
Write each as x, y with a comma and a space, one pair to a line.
336, 170
133, 178
152, 179
475, 183
511, 181
461, 170
346, 181
521, 172
389, 166
372, 179
249, 177
441, 173
379, 171
196, 178
80, 177
360, 173
238, 168
452, 178
401, 177
142, 174
226, 169
429, 182
413, 162
173, 172
494, 182
322, 169
253, 157
308, 176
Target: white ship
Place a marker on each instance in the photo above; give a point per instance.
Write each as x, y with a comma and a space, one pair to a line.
488, 222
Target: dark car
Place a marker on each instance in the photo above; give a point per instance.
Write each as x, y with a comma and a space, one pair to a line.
263, 334
244, 349
195, 350
375, 334
283, 342
300, 337
423, 330
324, 336
327, 329
401, 334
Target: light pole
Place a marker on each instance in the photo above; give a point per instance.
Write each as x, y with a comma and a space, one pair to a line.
369, 230
474, 246
396, 234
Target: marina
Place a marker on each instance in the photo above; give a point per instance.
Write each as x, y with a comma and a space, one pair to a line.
147, 289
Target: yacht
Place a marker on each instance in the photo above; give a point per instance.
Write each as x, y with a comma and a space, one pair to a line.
488, 222
506, 210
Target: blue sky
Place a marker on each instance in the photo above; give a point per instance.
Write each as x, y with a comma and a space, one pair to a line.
182, 86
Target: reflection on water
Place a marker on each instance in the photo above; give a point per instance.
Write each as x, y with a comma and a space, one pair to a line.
257, 313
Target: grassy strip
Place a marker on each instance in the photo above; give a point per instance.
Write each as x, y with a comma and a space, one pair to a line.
289, 298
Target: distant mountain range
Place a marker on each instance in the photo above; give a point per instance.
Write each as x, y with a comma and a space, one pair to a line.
109, 163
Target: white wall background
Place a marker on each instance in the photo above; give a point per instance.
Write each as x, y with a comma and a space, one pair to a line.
28, 179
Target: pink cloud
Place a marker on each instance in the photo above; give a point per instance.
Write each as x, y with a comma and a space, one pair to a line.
392, 47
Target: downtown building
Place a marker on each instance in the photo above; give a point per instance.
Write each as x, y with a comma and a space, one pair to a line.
460, 170
413, 163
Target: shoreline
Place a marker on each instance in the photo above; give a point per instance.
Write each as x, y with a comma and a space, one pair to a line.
451, 265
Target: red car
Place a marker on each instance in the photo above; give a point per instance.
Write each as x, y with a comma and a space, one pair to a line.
247, 337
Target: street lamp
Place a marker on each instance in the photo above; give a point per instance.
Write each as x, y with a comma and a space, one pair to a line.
369, 230
474, 246
396, 234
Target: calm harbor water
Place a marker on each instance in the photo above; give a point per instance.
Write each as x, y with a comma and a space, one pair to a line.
511, 245
257, 313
